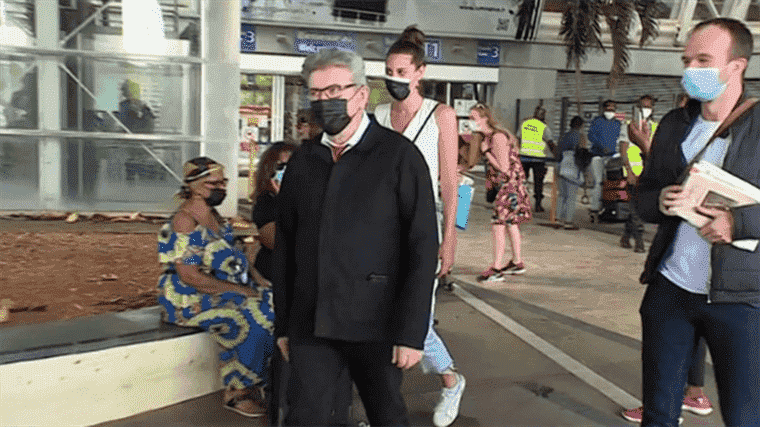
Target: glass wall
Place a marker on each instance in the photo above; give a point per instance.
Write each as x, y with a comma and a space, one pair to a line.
123, 174
18, 92
129, 104
19, 173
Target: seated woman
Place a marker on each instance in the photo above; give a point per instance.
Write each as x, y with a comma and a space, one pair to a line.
206, 283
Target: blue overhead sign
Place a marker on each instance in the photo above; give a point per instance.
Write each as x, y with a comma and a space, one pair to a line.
489, 53
308, 41
433, 51
247, 38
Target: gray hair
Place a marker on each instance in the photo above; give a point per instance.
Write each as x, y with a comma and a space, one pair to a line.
335, 58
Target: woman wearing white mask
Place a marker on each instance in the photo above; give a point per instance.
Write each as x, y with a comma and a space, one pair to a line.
432, 127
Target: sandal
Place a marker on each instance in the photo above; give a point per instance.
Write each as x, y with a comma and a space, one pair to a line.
256, 408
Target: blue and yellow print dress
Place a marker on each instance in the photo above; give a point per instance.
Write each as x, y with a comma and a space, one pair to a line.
242, 325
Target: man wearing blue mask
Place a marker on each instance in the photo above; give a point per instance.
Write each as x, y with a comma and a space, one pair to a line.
355, 254
703, 282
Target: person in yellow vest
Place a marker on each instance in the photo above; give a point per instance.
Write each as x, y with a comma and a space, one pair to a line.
640, 132
536, 148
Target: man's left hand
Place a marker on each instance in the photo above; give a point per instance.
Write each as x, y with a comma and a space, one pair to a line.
720, 228
405, 357
446, 254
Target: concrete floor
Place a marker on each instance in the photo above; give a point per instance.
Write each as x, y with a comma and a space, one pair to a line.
580, 294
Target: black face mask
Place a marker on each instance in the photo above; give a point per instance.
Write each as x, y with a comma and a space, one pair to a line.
331, 114
397, 87
216, 197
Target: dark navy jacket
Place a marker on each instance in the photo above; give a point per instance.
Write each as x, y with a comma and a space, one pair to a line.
356, 246
735, 272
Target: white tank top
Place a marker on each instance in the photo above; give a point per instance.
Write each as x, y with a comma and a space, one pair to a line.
427, 141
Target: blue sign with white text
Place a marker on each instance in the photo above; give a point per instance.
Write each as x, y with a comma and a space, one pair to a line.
433, 51
247, 38
308, 42
489, 53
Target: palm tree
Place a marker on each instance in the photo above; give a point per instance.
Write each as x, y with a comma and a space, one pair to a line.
581, 30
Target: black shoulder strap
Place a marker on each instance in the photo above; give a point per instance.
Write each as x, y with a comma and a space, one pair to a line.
419, 131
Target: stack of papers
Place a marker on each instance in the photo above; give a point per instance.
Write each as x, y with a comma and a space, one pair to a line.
708, 185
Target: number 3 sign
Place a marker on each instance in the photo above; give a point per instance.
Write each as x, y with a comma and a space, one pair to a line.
247, 38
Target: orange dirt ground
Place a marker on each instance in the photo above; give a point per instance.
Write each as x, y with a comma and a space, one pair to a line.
51, 269
61, 275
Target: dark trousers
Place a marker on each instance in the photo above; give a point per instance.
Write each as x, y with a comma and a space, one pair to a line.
278, 406
672, 321
696, 375
634, 226
539, 173
316, 379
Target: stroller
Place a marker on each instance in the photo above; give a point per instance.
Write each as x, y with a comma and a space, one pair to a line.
615, 197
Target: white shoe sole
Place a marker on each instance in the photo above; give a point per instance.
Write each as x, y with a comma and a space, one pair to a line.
444, 424
697, 411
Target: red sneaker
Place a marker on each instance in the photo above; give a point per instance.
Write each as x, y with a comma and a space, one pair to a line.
633, 415
699, 405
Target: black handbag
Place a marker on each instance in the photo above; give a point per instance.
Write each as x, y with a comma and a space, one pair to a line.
582, 158
491, 194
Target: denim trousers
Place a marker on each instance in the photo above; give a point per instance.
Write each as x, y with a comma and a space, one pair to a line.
598, 172
566, 197
672, 321
436, 357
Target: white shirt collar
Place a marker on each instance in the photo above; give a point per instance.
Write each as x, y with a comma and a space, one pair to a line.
355, 138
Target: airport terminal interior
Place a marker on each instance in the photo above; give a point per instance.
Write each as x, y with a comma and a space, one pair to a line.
101, 101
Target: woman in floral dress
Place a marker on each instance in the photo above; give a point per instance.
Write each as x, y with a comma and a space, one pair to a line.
206, 283
511, 205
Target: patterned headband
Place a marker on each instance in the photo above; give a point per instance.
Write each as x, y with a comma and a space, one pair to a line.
195, 172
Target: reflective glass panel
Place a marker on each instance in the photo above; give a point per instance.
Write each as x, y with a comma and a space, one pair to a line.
123, 175
109, 96
18, 93
17, 23
19, 180
140, 27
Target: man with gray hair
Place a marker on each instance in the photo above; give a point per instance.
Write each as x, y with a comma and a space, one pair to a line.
355, 254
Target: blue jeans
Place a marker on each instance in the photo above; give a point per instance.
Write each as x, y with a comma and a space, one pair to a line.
436, 357
598, 172
567, 193
672, 321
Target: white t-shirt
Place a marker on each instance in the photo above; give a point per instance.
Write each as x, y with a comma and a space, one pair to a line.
687, 261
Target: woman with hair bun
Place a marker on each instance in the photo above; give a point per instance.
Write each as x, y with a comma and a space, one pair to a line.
432, 127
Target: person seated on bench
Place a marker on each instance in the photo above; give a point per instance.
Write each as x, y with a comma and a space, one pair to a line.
206, 283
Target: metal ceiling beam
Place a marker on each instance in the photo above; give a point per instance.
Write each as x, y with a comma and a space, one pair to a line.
685, 18
736, 9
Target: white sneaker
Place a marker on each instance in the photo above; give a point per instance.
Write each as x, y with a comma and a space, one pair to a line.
447, 409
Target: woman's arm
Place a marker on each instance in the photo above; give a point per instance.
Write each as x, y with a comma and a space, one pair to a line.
500, 151
266, 235
192, 275
447, 159
473, 156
